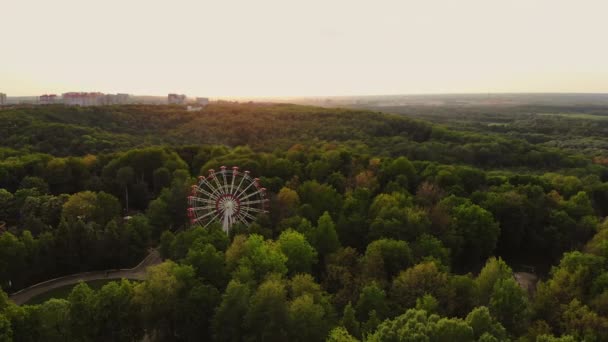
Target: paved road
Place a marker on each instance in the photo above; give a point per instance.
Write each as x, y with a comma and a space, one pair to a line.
137, 273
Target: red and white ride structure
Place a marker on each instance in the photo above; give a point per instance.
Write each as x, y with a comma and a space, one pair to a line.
227, 196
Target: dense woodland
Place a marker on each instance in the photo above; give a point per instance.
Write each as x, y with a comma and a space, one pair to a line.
381, 227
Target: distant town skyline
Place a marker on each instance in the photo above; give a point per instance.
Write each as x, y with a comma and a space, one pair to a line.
272, 48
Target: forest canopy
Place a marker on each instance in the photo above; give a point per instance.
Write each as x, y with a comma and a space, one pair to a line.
380, 228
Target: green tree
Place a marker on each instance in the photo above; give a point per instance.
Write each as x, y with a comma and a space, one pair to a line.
324, 237
342, 276
54, 321
493, 271
7, 205
159, 296
509, 304
300, 254
227, 324
82, 313
372, 298
288, 201
307, 320
267, 317
451, 329
261, 257
352, 225
208, 263
107, 208
116, 313
427, 303
385, 258
463, 295
477, 230
161, 179
417, 281
125, 176
12, 259
429, 247
549, 338
400, 167
350, 322
418, 325
320, 198
371, 324
583, 323
195, 309
483, 323
339, 334
6, 331
82, 205
37, 183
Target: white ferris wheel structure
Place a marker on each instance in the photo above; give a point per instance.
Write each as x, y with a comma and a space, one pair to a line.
227, 196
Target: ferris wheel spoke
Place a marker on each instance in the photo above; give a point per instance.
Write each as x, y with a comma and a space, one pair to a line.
255, 201
244, 191
248, 215
219, 186
198, 218
199, 189
206, 193
205, 207
211, 187
225, 184
241, 218
232, 181
199, 199
254, 210
252, 194
239, 186
213, 219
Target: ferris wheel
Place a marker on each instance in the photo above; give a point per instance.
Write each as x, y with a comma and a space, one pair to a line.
227, 196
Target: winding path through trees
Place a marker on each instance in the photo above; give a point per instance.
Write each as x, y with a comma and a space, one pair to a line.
137, 273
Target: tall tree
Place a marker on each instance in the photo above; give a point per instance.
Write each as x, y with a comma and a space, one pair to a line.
125, 176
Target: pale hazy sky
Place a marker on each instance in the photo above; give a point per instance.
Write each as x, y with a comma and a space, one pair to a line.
308, 47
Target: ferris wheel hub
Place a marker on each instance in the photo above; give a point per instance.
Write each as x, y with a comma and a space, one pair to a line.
228, 204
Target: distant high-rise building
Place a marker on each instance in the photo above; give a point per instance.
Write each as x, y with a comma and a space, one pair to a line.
179, 99
117, 99
47, 99
83, 99
2, 99
203, 101
123, 98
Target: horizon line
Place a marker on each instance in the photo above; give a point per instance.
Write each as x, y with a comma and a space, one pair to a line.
336, 96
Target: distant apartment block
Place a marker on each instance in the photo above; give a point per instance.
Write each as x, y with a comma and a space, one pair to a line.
202, 101
83, 99
47, 99
179, 99
2, 99
117, 99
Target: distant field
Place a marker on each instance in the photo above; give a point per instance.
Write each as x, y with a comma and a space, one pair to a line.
64, 292
577, 115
